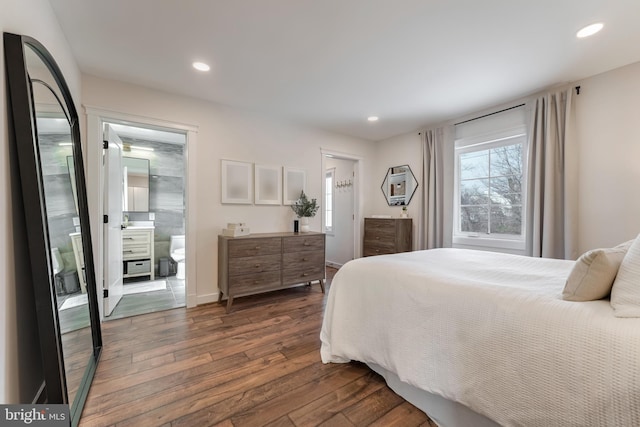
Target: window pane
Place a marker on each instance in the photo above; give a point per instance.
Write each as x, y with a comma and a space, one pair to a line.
474, 219
506, 160
474, 192
474, 165
506, 190
506, 220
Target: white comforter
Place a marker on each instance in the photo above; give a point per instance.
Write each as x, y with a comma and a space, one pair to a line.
489, 331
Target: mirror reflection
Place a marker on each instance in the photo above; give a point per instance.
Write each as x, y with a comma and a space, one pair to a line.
55, 146
136, 184
399, 185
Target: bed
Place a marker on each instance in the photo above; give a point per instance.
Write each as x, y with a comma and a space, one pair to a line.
480, 338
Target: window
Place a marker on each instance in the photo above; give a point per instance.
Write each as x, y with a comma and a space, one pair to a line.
328, 201
490, 184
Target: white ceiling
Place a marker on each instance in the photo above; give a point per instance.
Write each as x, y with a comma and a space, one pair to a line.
331, 63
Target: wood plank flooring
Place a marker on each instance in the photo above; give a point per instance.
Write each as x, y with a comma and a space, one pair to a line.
256, 366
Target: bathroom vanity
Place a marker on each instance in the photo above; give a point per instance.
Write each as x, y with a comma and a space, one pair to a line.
138, 252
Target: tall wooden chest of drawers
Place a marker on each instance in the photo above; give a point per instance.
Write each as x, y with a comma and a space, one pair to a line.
268, 261
387, 236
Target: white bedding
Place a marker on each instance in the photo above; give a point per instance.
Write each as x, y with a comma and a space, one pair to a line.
489, 331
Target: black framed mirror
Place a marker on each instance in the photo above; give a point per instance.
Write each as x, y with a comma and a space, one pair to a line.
399, 185
45, 131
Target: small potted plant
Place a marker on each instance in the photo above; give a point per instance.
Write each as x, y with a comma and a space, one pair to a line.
404, 213
305, 209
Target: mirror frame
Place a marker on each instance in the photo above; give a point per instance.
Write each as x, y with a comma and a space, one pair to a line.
385, 182
23, 134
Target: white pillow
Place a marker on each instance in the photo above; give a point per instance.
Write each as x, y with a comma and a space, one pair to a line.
625, 294
593, 273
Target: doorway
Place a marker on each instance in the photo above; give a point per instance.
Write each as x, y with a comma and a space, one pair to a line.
341, 207
151, 185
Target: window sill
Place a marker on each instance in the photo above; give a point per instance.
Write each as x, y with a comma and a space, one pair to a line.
484, 242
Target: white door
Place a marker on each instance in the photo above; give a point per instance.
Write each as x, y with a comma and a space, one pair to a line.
113, 194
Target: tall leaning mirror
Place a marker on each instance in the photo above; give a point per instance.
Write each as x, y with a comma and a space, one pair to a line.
46, 134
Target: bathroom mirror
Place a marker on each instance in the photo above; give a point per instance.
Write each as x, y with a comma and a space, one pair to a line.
136, 181
45, 131
399, 185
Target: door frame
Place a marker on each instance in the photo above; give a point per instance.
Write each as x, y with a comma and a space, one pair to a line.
96, 117
358, 201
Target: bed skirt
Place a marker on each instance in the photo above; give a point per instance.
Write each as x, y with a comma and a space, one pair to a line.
444, 412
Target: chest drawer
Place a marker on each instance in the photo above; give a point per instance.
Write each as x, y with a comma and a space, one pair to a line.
133, 251
257, 264
253, 247
250, 283
378, 249
303, 243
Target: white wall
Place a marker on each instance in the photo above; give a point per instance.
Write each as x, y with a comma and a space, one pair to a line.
340, 243
19, 348
608, 118
401, 150
229, 133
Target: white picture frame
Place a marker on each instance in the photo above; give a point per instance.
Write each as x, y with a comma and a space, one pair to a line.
294, 182
267, 185
237, 182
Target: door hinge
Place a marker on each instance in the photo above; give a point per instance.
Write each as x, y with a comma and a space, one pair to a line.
105, 145
105, 219
105, 293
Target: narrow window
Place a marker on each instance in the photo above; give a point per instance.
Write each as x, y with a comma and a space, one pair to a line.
328, 201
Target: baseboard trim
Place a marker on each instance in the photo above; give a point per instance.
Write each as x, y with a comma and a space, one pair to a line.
333, 264
207, 298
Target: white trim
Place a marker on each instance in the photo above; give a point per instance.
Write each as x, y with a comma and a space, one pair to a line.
358, 189
205, 299
333, 264
96, 117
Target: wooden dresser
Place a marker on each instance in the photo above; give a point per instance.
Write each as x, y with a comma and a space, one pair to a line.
268, 261
387, 236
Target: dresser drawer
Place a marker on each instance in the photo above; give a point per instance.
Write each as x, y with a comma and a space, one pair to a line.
378, 248
130, 238
303, 243
257, 264
135, 252
298, 274
306, 259
252, 247
249, 283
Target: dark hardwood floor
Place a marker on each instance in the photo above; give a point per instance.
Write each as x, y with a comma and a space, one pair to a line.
256, 366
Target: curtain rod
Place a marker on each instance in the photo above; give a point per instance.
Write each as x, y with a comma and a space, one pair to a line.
490, 114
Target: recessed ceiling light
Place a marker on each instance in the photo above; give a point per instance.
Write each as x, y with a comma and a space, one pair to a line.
201, 66
589, 30
372, 118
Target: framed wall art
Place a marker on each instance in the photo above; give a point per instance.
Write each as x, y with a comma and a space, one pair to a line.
268, 185
295, 181
237, 182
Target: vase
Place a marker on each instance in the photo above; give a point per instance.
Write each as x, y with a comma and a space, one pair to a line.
304, 224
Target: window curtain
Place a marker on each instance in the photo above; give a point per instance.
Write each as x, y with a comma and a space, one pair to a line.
431, 224
552, 181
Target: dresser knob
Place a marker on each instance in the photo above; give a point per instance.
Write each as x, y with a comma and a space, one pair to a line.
377, 250
256, 282
377, 238
257, 247
257, 265
305, 259
306, 244
305, 274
